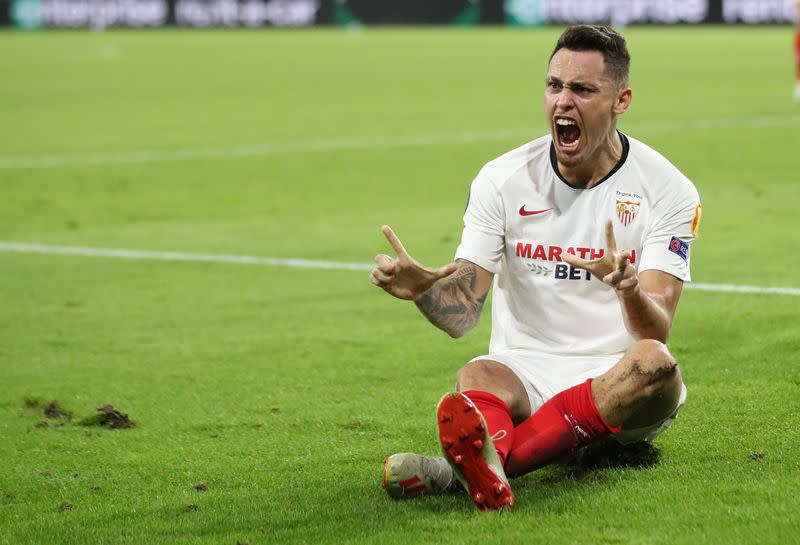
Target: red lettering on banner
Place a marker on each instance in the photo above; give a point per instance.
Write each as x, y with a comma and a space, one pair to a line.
598, 254
582, 252
538, 253
633, 256
523, 251
571, 250
554, 253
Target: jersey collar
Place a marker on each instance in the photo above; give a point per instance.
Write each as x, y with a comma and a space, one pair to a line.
625, 149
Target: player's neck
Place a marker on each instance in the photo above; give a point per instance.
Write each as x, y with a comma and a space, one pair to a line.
590, 172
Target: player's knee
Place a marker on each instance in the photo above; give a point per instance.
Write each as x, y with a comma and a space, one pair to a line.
653, 367
649, 347
486, 376
474, 374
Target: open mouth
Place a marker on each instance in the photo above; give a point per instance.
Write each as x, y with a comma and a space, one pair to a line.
568, 132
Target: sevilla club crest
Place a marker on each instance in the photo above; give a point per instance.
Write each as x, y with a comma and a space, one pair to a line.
627, 211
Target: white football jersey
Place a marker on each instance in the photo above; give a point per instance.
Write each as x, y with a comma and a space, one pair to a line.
522, 217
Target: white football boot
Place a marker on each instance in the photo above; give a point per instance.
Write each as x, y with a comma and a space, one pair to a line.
408, 475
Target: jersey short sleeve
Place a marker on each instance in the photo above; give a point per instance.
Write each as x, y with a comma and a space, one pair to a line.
667, 247
484, 224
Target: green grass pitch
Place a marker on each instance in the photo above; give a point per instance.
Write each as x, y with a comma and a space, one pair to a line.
282, 389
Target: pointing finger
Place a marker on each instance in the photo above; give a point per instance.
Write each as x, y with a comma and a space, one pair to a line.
611, 242
397, 246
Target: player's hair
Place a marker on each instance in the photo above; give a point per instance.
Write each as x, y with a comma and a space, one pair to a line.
600, 38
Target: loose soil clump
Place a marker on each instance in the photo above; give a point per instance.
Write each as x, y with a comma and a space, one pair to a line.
109, 417
51, 410
54, 411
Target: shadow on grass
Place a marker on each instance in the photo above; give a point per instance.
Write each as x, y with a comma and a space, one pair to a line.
610, 454
586, 468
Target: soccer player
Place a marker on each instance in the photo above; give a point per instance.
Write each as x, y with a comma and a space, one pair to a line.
584, 235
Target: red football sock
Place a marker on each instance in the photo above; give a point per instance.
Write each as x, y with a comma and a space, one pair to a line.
498, 419
568, 420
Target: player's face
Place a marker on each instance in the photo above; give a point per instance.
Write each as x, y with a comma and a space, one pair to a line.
581, 104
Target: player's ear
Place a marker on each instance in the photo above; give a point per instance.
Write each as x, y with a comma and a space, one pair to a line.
623, 101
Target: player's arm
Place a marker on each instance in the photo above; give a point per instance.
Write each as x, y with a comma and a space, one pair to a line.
453, 305
648, 301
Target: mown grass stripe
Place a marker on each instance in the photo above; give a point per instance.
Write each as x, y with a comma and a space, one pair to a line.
365, 142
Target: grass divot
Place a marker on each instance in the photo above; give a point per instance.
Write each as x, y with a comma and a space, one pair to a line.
108, 417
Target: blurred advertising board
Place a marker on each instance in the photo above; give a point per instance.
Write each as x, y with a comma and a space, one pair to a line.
298, 13
758, 11
615, 12
357, 12
628, 12
65, 13
155, 13
202, 13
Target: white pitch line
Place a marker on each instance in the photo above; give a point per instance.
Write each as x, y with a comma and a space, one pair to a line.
733, 288
256, 150
376, 142
122, 253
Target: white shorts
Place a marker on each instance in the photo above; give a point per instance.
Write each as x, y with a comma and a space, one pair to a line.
545, 375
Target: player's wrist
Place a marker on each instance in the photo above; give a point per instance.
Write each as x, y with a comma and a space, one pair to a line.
418, 298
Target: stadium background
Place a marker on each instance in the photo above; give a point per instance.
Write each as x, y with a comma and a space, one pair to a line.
154, 13
266, 389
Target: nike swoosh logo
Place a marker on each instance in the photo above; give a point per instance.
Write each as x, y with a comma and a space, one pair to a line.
523, 212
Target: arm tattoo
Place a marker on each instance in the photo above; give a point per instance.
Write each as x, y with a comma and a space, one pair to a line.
454, 305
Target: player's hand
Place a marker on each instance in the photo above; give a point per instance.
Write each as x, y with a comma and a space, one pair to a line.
614, 268
403, 276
